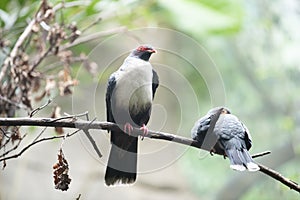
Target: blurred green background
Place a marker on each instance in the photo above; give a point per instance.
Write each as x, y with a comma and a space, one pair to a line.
250, 47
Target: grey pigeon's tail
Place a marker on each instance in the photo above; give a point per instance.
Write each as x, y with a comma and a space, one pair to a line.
240, 159
122, 162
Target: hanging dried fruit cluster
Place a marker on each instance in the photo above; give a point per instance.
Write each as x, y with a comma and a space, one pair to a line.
61, 169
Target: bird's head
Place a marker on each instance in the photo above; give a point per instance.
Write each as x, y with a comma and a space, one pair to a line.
143, 52
222, 110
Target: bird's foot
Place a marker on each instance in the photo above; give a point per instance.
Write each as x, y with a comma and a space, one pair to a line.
145, 131
212, 152
128, 128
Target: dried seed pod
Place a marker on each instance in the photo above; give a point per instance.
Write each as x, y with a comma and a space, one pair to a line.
60, 173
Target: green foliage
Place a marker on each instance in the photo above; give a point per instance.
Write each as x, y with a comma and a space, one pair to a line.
203, 18
14, 14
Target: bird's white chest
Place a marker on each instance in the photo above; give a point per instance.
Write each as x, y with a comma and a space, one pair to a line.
134, 87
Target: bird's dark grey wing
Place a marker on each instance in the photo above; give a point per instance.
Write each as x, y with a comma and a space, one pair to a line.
247, 137
201, 127
155, 82
208, 122
204, 132
109, 91
232, 133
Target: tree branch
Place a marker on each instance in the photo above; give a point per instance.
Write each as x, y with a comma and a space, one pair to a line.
272, 173
68, 122
86, 125
36, 142
9, 60
93, 36
261, 154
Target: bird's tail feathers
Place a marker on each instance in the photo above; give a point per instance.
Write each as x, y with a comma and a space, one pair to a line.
122, 164
241, 160
238, 167
252, 167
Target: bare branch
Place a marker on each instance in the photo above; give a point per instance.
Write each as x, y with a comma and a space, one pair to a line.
13, 148
42, 57
9, 60
4, 132
261, 154
40, 108
69, 4
94, 36
36, 142
72, 122
78, 198
272, 173
68, 116
39, 135
91, 25
18, 105
92, 141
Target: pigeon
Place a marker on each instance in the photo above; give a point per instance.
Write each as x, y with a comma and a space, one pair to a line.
129, 95
223, 133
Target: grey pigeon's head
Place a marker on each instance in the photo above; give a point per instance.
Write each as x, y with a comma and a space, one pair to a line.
143, 52
222, 110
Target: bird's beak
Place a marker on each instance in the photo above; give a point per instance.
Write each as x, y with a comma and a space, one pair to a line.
151, 51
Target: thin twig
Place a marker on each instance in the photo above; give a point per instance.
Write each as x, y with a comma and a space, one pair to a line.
18, 105
39, 135
260, 154
36, 142
69, 4
13, 148
92, 141
4, 132
93, 36
78, 198
41, 58
9, 60
53, 65
91, 25
6, 142
40, 108
70, 116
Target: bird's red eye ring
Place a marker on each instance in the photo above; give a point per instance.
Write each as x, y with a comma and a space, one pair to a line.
145, 48
142, 48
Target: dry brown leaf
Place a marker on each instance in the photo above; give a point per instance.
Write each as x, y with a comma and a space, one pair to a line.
56, 114
40, 97
91, 67
16, 135
50, 85
36, 84
60, 173
4, 164
1, 137
59, 130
